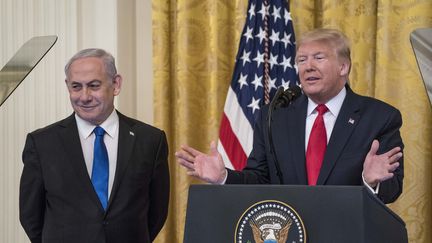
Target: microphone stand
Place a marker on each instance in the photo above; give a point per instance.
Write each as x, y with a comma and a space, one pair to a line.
272, 107
282, 98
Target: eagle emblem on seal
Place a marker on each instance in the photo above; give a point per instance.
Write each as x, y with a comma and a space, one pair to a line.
270, 222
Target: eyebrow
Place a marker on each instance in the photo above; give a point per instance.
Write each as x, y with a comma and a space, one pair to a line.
89, 82
314, 54
319, 53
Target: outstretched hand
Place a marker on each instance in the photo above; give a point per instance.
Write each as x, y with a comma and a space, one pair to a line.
378, 168
207, 167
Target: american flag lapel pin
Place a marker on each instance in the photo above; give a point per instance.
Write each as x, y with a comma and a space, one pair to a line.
351, 121
131, 133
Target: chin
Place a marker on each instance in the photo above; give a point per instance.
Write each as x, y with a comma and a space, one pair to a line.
87, 117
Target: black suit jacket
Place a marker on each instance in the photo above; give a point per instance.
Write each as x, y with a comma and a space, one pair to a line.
360, 121
57, 199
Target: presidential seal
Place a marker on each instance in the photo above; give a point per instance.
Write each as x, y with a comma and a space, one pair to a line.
270, 222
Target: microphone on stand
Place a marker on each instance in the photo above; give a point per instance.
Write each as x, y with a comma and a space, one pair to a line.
282, 98
287, 96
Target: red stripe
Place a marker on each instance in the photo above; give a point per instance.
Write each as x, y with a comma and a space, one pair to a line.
231, 144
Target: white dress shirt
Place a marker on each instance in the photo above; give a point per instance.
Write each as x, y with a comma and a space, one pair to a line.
87, 137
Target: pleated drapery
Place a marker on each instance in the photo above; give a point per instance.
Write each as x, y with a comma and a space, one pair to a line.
194, 48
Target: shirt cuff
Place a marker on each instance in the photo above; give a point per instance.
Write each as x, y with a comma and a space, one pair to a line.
374, 191
226, 176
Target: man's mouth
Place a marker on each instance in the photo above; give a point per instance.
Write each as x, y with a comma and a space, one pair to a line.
87, 107
311, 78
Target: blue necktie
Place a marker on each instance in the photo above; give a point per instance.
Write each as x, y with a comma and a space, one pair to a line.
100, 171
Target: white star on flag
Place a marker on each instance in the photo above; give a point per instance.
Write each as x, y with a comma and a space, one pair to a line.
257, 82
286, 39
248, 34
242, 80
286, 63
276, 13
251, 11
273, 60
254, 104
245, 57
274, 37
261, 35
259, 59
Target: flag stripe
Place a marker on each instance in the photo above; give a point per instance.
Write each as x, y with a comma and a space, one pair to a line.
238, 122
224, 155
231, 148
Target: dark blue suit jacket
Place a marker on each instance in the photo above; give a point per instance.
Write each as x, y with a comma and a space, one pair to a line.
58, 203
360, 121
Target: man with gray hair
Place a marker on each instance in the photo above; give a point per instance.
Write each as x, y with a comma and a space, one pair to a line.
97, 175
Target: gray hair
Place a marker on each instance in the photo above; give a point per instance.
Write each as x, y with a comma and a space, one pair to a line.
106, 57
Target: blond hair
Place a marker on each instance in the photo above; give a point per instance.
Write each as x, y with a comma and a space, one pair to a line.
333, 37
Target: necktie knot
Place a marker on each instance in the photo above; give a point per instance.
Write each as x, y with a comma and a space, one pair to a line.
99, 131
322, 109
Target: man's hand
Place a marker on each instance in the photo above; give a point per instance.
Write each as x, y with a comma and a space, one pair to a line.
378, 168
207, 167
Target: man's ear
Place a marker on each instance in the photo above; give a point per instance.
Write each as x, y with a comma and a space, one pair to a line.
117, 82
345, 68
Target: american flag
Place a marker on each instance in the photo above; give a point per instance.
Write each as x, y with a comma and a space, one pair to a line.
265, 61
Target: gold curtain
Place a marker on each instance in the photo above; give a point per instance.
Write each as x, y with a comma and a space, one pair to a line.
194, 48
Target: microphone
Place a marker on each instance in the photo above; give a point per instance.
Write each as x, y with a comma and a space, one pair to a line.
284, 98
281, 99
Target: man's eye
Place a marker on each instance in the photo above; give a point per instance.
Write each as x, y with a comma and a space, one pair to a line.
301, 60
75, 87
94, 86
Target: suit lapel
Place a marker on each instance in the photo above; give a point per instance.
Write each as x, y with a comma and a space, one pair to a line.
346, 122
289, 125
297, 139
125, 147
69, 137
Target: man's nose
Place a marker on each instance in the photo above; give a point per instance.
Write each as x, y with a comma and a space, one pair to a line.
309, 65
85, 94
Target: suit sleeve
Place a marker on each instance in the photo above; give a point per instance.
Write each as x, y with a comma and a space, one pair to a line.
390, 189
159, 189
256, 170
32, 193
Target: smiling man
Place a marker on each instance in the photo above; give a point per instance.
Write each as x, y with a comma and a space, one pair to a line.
96, 176
328, 136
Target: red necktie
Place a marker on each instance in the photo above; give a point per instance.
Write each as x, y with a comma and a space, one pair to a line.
317, 146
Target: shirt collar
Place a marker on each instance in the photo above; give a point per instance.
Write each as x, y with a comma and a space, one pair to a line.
110, 125
334, 104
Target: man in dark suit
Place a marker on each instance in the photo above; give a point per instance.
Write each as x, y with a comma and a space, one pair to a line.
96, 176
359, 141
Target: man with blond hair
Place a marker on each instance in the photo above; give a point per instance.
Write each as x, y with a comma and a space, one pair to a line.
328, 136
